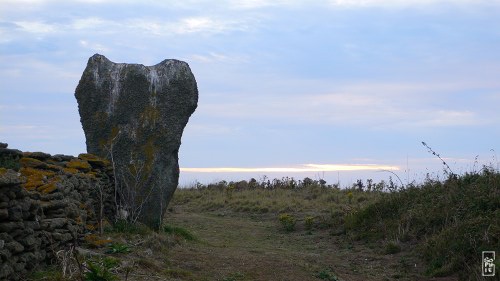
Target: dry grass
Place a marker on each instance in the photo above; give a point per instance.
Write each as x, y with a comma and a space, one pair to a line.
225, 232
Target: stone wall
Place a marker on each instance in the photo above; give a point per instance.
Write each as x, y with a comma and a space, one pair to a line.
48, 202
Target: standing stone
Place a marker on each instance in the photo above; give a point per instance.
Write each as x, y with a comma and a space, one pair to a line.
134, 115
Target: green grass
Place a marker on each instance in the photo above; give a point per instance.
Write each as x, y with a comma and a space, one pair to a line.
124, 227
326, 274
309, 199
451, 222
441, 226
118, 248
179, 231
445, 223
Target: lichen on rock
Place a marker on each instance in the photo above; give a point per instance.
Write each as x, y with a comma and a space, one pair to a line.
134, 115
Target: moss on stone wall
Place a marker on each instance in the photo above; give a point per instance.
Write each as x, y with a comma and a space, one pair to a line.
78, 164
52, 201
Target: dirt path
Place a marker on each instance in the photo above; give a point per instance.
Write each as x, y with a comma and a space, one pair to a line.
240, 247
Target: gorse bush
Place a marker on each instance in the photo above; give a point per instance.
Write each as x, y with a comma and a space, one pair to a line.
308, 222
453, 221
287, 221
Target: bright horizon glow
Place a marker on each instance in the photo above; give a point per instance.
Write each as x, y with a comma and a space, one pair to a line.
302, 168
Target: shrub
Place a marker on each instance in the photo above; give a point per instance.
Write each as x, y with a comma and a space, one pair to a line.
326, 274
309, 221
392, 247
452, 221
288, 221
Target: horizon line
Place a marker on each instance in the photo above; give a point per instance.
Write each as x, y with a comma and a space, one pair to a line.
303, 168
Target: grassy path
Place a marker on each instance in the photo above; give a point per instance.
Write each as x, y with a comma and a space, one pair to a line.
240, 246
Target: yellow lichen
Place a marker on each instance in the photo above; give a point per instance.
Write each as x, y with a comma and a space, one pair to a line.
79, 220
96, 241
102, 144
34, 177
114, 132
90, 175
79, 164
90, 227
150, 152
70, 171
94, 160
150, 115
32, 183
3, 171
31, 171
50, 186
54, 167
32, 163
106, 143
47, 188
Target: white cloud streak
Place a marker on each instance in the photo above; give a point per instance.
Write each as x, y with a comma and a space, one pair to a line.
187, 25
305, 168
378, 105
404, 3
37, 27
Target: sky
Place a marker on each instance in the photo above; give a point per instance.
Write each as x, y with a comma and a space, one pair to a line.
334, 89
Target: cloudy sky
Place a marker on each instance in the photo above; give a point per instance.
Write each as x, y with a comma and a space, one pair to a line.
338, 89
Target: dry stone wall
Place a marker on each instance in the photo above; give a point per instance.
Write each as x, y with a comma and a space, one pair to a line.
48, 202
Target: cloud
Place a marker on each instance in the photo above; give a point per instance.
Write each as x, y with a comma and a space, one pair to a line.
213, 57
205, 130
96, 47
92, 23
377, 105
187, 25
304, 168
38, 27
402, 3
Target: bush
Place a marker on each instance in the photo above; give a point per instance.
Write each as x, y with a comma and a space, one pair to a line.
326, 274
452, 221
309, 222
288, 221
392, 247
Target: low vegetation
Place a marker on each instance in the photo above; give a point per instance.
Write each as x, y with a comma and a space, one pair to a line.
449, 222
303, 230
446, 224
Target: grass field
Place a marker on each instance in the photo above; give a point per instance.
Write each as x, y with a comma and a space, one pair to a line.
307, 230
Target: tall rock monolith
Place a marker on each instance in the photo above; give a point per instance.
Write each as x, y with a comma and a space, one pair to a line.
134, 115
